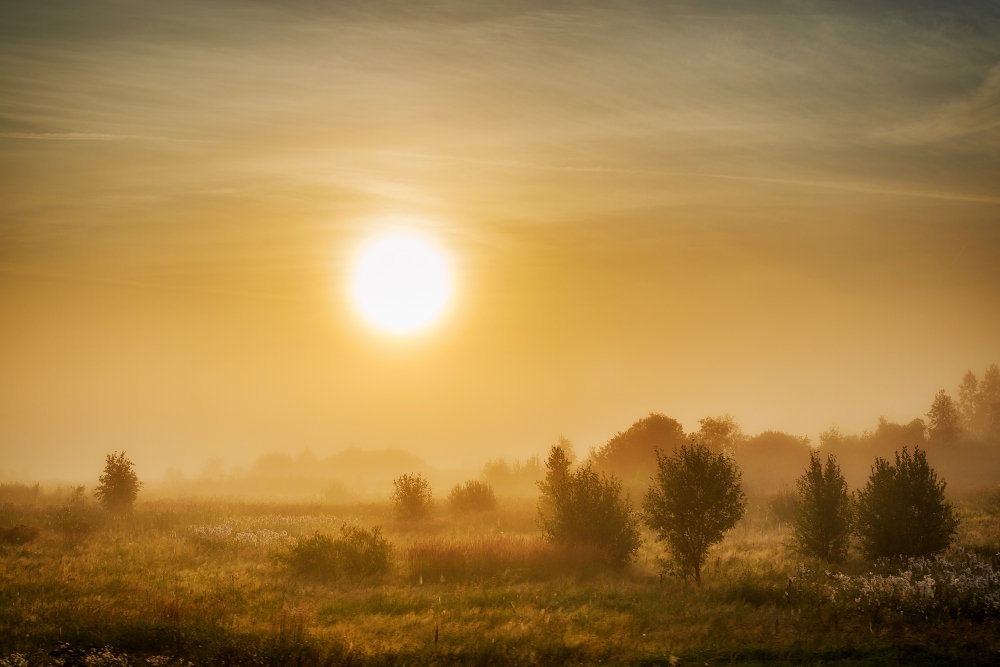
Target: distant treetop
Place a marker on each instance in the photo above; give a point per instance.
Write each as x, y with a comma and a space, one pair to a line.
631, 454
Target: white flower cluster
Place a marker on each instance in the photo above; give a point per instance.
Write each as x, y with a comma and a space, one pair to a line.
105, 657
225, 536
964, 586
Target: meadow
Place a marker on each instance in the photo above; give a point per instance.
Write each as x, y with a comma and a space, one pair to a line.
208, 582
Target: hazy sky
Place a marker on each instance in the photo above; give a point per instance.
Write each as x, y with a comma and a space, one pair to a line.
789, 212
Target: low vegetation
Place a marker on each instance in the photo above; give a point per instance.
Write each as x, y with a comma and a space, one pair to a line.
896, 573
473, 496
357, 552
412, 497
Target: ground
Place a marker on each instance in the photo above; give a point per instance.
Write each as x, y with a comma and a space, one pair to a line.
206, 582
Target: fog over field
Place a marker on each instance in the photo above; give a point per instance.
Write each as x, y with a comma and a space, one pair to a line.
786, 213
494, 332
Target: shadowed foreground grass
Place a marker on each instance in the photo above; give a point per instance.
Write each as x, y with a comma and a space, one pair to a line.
205, 582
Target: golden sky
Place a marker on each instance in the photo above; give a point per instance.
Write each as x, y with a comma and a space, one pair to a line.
789, 213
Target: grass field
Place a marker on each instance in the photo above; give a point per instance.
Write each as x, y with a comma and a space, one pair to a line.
205, 582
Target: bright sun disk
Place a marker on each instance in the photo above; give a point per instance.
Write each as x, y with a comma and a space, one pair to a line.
401, 283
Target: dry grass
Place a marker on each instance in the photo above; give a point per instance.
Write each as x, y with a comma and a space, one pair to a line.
142, 586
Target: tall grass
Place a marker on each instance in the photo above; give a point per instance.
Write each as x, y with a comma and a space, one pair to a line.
142, 588
512, 557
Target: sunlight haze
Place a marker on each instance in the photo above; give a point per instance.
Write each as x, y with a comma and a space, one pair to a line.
784, 212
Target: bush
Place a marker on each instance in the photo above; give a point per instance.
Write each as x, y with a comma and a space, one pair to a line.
356, 552
902, 510
473, 496
693, 501
119, 485
918, 588
585, 508
823, 513
412, 497
18, 534
782, 506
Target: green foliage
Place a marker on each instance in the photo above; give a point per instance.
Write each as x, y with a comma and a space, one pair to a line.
357, 552
902, 510
943, 427
823, 518
583, 507
694, 500
473, 496
412, 497
119, 485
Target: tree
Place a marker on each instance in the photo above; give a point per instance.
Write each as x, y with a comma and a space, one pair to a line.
585, 507
721, 434
944, 426
412, 497
473, 496
119, 485
631, 455
979, 404
823, 514
694, 499
902, 510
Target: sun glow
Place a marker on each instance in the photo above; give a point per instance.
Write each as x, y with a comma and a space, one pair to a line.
401, 283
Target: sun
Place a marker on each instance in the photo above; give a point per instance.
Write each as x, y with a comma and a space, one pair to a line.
401, 284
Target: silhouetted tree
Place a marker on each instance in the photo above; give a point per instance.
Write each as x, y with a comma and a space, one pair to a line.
412, 497
473, 496
585, 507
823, 513
517, 478
119, 485
943, 428
631, 455
694, 499
979, 404
902, 510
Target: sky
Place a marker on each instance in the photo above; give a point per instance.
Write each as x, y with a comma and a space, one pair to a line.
788, 212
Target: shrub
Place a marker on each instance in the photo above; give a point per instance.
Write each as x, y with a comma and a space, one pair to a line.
823, 513
119, 485
356, 552
902, 510
585, 508
920, 587
473, 496
694, 499
412, 497
782, 506
18, 534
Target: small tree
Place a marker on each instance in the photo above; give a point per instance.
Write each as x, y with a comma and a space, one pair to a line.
822, 517
585, 507
902, 510
119, 485
694, 499
944, 427
412, 497
473, 496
